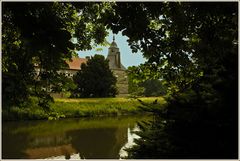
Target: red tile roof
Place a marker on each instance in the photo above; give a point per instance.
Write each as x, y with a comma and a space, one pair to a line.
76, 63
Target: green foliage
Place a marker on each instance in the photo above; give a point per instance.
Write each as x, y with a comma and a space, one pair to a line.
193, 47
41, 35
95, 79
181, 55
28, 110
153, 87
133, 87
142, 81
186, 129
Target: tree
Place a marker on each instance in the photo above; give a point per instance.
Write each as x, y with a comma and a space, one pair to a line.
133, 80
43, 35
153, 87
95, 79
193, 46
141, 82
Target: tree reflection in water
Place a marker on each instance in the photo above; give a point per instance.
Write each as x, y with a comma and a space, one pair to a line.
99, 138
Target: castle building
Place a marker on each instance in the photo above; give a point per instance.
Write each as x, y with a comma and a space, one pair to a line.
74, 66
115, 65
118, 69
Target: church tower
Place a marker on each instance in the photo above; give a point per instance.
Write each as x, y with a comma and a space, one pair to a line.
118, 69
114, 56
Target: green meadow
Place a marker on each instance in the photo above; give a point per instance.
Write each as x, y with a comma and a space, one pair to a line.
82, 107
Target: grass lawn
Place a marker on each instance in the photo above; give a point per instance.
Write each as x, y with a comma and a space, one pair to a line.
100, 106
81, 107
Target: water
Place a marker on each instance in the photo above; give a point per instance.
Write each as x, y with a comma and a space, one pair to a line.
89, 138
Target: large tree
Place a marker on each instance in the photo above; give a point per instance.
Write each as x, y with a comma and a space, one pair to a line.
143, 82
193, 47
44, 35
95, 79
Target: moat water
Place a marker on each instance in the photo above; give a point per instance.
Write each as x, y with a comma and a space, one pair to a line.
85, 138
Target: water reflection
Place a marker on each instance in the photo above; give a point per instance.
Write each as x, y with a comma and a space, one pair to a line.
101, 138
130, 141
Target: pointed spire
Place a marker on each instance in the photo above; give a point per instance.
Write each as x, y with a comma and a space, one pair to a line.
113, 38
113, 44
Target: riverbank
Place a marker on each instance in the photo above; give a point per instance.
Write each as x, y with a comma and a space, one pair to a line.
83, 107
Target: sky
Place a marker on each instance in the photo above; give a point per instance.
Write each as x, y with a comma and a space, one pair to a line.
127, 57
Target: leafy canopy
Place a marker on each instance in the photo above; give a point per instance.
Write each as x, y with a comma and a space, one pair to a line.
193, 47
95, 79
44, 35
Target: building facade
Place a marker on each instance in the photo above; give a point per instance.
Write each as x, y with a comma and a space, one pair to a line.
115, 65
118, 69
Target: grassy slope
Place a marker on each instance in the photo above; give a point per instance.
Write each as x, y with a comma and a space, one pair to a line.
87, 107
99, 106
